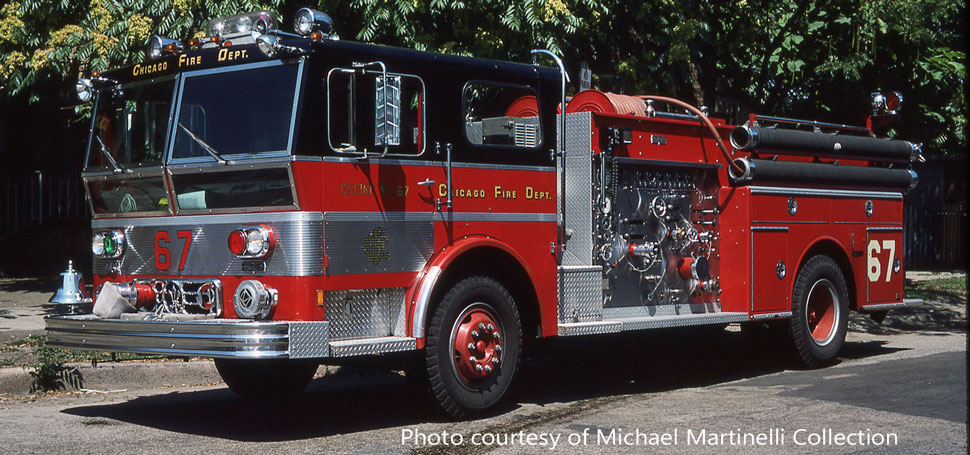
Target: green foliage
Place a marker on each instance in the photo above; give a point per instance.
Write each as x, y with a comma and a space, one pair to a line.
809, 58
52, 40
50, 374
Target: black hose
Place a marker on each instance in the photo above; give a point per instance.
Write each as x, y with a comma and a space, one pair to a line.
819, 144
824, 175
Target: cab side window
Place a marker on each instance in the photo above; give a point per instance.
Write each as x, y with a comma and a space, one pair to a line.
503, 115
375, 112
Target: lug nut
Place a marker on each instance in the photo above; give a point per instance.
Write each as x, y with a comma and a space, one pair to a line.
496, 335
471, 346
488, 368
472, 359
498, 348
475, 333
491, 327
481, 326
478, 368
495, 360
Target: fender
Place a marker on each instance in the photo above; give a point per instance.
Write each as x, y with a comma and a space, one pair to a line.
802, 256
427, 280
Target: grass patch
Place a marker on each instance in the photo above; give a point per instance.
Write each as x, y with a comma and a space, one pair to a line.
941, 290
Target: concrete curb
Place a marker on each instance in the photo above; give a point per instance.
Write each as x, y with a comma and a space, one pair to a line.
124, 375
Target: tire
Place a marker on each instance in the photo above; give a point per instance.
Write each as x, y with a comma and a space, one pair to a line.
266, 378
820, 311
467, 381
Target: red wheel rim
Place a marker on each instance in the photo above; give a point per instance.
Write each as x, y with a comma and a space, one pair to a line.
822, 312
476, 344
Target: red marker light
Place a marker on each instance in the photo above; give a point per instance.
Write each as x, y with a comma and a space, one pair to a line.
237, 242
893, 101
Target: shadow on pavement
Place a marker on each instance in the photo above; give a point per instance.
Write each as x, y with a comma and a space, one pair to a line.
46, 285
558, 370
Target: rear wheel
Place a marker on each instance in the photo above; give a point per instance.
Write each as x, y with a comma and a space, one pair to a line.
820, 307
473, 346
266, 378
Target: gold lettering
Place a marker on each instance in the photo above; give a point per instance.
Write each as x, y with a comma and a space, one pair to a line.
222, 54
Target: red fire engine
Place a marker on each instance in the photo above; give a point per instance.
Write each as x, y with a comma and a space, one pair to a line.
275, 201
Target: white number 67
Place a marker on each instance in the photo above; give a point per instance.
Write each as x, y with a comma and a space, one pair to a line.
874, 268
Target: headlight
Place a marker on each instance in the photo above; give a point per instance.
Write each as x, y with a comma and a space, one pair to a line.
85, 90
159, 45
309, 20
269, 45
108, 244
252, 242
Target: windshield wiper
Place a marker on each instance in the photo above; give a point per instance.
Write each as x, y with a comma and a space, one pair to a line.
107, 154
208, 148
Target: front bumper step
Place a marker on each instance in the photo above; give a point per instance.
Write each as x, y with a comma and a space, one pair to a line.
220, 338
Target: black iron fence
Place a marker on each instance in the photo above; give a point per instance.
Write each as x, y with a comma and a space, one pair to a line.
40, 198
936, 217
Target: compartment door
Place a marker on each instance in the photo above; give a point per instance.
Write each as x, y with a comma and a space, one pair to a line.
770, 270
884, 256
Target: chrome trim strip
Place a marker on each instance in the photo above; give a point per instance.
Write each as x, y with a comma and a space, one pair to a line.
825, 192
378, 216
497, 217
580, 268
789, 222
780, 314
212, 166
422, 301
211, 219
892, 305
223, 338
864, 222
884, 229
643, 323
427, 163
218, 338
770, 228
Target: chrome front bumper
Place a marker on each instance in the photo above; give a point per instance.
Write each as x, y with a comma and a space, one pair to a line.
222, 338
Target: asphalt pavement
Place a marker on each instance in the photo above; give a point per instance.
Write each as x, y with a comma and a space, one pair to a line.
899, 387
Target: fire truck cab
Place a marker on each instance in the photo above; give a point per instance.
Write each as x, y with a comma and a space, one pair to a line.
275, 201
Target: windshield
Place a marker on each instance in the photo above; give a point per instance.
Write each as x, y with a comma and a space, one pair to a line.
236, 113
130, 126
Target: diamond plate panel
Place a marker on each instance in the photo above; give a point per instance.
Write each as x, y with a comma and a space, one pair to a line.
298, 251
377, 242
364, 313
582, 294
372, 346
578, 191
309, 340
588, 328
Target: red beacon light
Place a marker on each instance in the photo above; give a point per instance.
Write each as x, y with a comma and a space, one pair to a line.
252, 242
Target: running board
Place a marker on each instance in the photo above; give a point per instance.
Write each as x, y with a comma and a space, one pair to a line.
366, 346
890, 306
650, 322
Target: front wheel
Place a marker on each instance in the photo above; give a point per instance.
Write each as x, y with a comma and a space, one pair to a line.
266, 378
820, 311
472, 346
